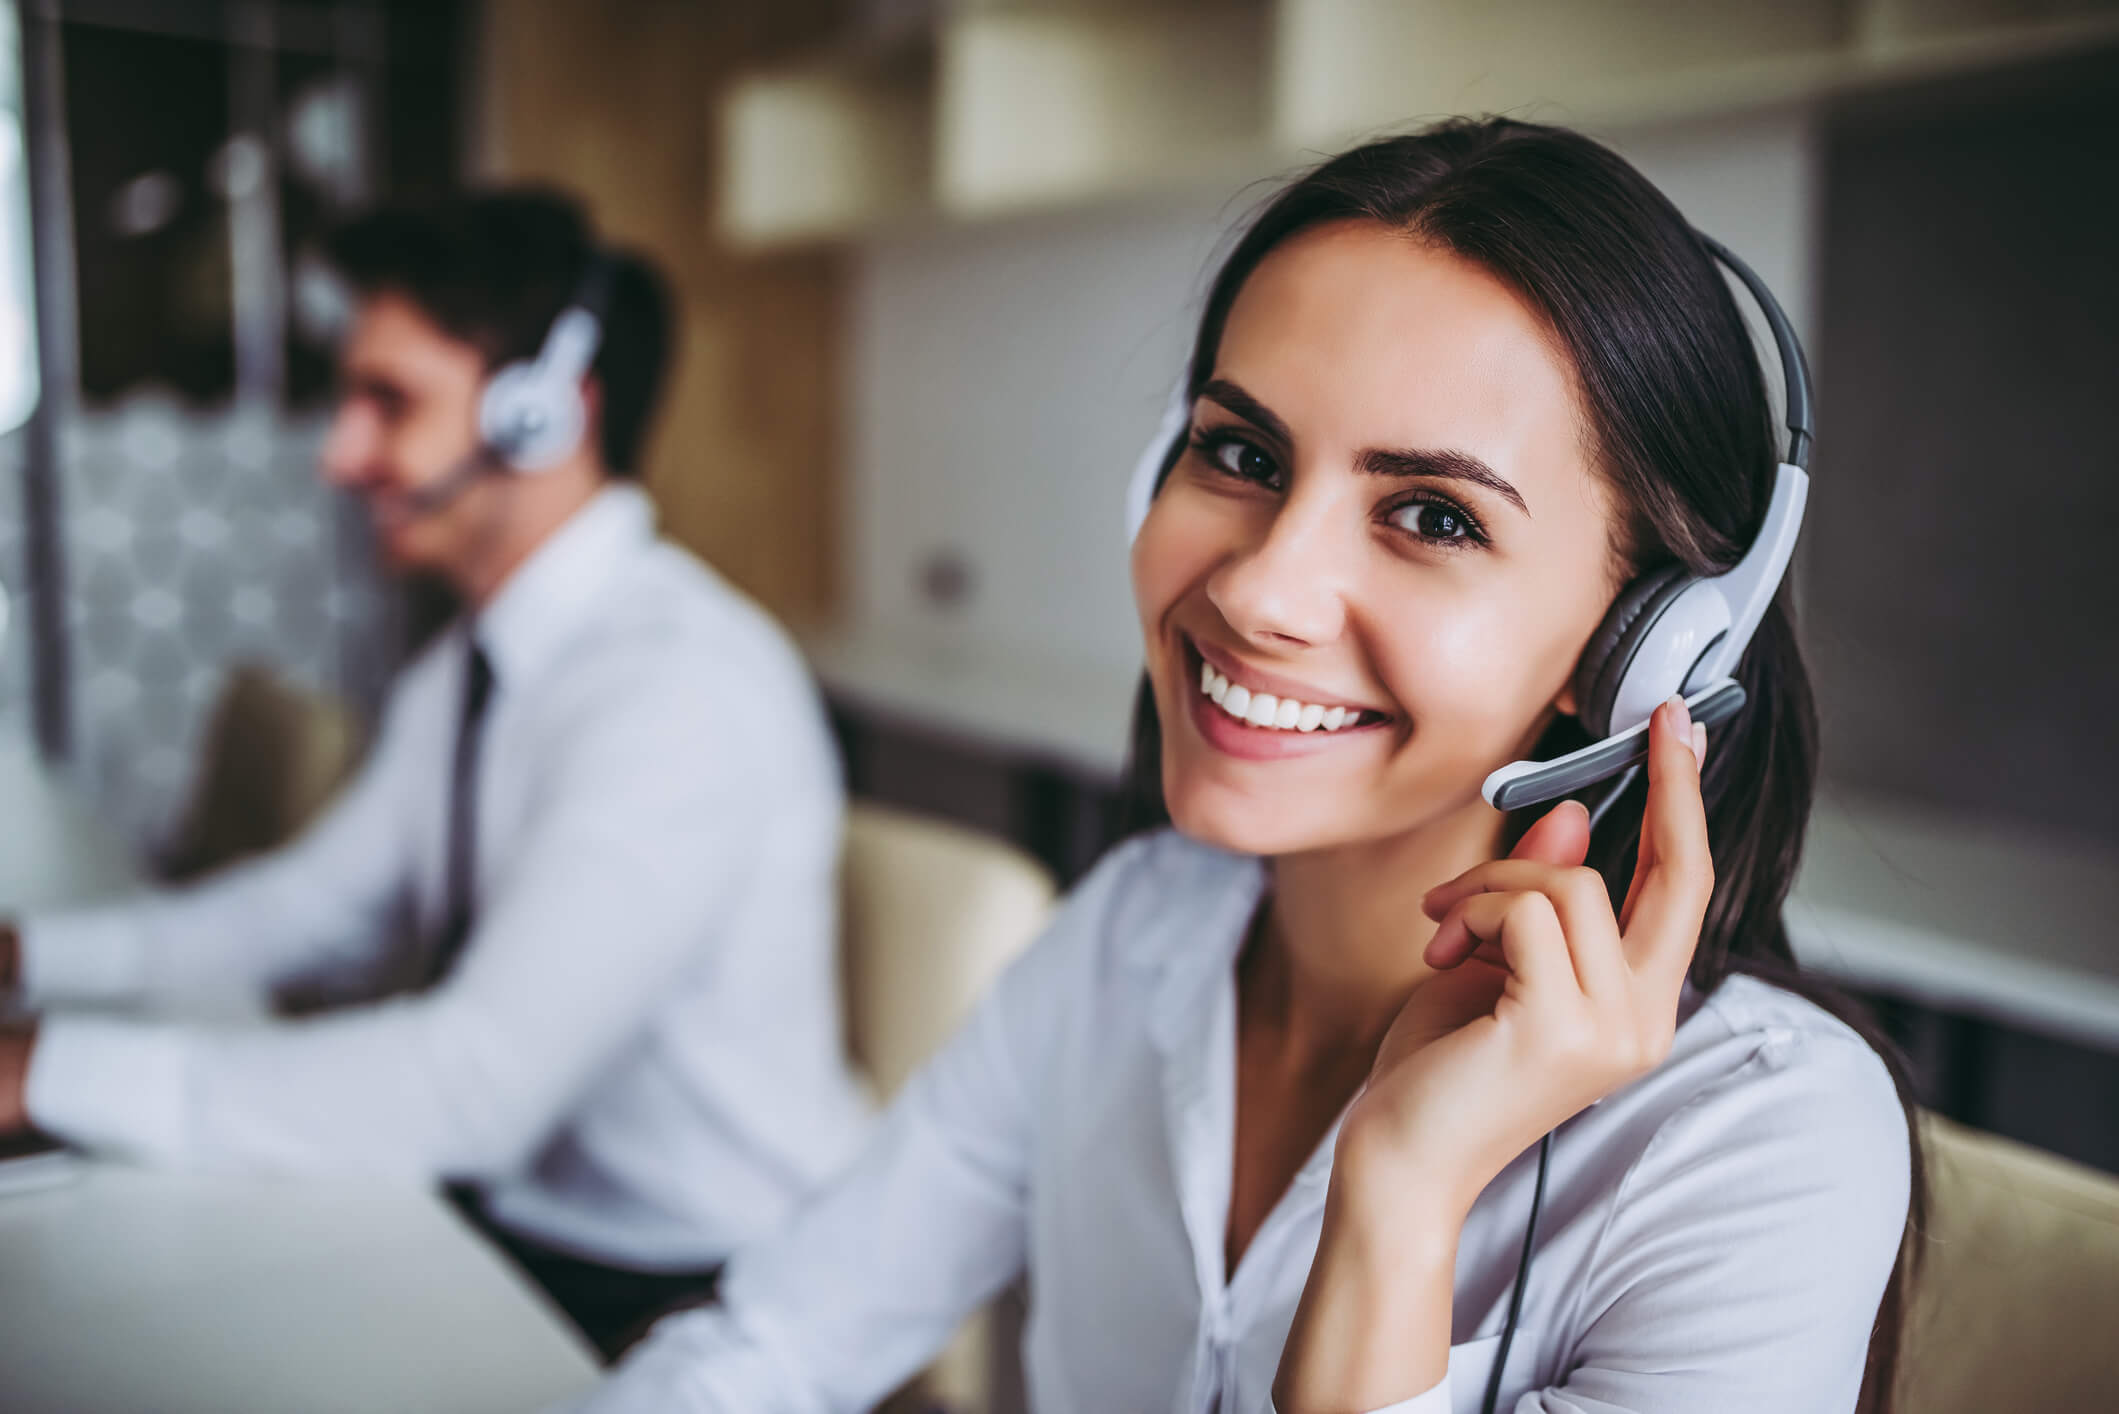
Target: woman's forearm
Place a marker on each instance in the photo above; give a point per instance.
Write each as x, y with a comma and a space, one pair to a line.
1373, 1325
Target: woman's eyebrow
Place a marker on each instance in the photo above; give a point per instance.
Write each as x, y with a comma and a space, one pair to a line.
1454, 466
1377, 461
1236, 400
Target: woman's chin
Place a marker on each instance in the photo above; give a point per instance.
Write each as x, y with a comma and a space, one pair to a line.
1246, 826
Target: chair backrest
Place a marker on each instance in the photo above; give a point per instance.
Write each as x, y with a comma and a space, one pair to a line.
271, 757
2016, 1305
932, 914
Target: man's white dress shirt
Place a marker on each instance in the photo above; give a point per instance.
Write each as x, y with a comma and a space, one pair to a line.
638, 1052
1715, 1237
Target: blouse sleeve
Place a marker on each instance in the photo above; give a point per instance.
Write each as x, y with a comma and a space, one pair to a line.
874, 1276
1749, 1246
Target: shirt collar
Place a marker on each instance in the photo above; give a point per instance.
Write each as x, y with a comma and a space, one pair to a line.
1206, 898
540, 604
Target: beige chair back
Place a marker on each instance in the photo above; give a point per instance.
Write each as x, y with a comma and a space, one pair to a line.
933, 913
272, 755
2017, 1305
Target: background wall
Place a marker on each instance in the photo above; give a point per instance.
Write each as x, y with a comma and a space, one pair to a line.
616, 103
1970, 358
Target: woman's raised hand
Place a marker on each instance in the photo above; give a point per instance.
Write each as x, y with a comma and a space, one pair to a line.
1546, 1001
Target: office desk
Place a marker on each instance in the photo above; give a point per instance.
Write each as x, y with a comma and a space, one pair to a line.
129, 1291
53, 849
125, 1290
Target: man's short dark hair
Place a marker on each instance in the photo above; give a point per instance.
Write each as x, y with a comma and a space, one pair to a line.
494, 268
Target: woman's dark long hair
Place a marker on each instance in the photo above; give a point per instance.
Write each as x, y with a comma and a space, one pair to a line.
1684, 428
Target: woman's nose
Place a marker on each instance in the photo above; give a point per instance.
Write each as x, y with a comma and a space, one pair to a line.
1289, 587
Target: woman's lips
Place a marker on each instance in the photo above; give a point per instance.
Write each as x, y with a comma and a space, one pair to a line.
1248, 740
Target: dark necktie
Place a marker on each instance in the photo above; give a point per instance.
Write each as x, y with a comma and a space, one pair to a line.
463, 815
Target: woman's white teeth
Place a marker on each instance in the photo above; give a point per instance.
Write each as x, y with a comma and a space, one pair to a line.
1263, 709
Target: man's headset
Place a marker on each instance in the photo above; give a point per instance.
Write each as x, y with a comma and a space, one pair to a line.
1667, 632
531, 415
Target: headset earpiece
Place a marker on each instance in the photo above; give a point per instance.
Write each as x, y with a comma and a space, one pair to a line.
1148, 466
1615, 643
531, 415
526, 422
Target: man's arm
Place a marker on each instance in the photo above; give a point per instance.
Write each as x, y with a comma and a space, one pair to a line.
329, 897
644, 816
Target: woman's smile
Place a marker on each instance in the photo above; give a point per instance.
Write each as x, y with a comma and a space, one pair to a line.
1260, 716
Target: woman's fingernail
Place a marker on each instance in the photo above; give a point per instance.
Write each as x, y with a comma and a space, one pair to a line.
1680, 714
1699, 743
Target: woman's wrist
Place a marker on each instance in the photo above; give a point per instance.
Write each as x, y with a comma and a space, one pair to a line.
1391, 1193
1373, 1327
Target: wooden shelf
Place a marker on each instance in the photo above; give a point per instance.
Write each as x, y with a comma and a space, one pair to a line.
1045, 105
825, 151
1010, 105
1344, 69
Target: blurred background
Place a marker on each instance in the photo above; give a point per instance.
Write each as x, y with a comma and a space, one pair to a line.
940, 262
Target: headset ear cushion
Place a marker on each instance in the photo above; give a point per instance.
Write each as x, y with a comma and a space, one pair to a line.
1612, 647
526, 421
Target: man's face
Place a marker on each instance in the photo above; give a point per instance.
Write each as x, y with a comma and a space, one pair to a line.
407, 420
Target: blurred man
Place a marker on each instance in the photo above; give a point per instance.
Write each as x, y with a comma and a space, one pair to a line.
594, 845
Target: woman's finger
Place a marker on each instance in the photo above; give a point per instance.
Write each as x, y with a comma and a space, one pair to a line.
1579, 898
1675, 878
1560, 837
1526, 929
1644, 857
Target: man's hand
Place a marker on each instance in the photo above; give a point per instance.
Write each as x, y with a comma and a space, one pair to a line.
16, 1043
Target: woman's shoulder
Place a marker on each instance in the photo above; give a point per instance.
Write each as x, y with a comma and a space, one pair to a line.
1762, 1029
1766, 1083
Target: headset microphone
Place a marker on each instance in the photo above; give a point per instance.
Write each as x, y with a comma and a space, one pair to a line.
443, 491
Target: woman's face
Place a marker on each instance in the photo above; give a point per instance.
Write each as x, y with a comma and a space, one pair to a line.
1387, 516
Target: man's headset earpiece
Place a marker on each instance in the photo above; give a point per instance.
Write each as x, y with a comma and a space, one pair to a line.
531, 415
1666, 633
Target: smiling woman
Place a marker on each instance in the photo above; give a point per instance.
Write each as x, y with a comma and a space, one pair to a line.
1265, 1112
1450, 392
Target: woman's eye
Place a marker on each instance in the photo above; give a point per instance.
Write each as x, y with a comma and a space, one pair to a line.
1237, 457
1432, 520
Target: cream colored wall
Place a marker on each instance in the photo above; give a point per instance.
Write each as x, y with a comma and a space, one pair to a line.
615, 102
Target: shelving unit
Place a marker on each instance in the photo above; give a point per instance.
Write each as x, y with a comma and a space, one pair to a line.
826, 150
1039, 105
1010, 105
1344, 67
